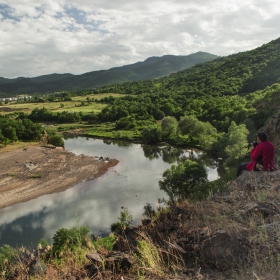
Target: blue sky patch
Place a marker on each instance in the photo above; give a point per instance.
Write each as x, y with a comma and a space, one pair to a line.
80, 17
6, 12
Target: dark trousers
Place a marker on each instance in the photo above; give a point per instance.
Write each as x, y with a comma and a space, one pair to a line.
240, 168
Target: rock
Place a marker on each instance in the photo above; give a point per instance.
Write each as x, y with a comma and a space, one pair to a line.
119, 261
96, 259
223, 250
115, 260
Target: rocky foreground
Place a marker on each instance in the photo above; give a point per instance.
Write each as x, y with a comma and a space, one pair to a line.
231, 235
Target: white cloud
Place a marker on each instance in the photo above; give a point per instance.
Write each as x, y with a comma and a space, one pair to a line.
80, 36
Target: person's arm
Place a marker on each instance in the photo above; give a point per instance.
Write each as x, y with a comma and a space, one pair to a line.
256, 153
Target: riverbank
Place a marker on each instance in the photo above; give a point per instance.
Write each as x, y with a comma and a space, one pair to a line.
31, 171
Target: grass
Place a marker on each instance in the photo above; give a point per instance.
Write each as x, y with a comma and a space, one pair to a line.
107, 130
35, 176
104, 243
55, 107
16, 145
73, 106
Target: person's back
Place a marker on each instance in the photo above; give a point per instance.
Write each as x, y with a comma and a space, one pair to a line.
263, 153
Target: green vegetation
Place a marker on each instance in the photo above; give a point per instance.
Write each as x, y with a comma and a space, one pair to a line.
68, 240
56, 140
125, 219
7, 256
20, 128
179, 180
37, 175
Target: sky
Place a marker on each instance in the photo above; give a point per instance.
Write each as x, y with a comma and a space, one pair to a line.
64, 36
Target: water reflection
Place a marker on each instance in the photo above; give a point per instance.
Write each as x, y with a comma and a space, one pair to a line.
97, 203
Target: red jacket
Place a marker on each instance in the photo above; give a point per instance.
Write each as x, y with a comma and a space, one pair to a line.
265, 151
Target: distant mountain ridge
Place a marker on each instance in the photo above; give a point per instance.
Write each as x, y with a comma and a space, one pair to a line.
152, 67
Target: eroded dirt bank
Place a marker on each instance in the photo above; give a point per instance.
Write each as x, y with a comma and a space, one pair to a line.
29, 173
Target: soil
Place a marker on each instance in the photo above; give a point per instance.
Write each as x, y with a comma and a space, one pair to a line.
30, 172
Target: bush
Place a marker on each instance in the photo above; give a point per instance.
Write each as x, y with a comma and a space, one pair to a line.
70, 239
125, 219
56, 140
7, 255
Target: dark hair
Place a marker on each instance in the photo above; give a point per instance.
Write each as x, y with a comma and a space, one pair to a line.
262, 135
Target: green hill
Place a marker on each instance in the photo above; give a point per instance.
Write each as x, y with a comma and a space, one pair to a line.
218, 91
153, 67
235, 74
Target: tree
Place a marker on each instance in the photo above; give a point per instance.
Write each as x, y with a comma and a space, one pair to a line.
10, 133
179, 180
32, 131
188, 126
151, 134
169, 127
56, 140
3, 140
202, 133
237, 143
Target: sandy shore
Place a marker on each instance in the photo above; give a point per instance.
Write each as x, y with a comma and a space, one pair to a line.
34, 171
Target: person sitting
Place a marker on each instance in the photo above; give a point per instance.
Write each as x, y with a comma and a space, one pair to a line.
262, 155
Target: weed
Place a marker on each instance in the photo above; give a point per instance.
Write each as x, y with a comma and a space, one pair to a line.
150, 257
12, 174
43, 242
262, 195
104, 243
125, 219
38, 175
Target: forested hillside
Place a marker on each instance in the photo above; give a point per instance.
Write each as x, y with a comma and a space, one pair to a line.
153, 67
219, 91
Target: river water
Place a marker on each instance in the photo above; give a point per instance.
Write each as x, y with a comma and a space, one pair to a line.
97, 203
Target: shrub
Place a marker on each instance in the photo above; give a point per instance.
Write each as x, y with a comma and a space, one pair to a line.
125, 219
7, 255
56, 140
69, 239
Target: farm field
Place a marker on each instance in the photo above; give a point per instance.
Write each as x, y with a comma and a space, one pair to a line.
59, 106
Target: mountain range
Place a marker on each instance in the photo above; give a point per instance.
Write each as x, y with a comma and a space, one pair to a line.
151, 68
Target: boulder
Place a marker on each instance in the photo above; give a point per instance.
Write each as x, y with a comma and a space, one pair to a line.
114, 260
223, 250
119, 261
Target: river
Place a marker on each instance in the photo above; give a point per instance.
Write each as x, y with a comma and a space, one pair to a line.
97, 203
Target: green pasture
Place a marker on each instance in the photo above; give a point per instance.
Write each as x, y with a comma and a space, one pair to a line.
97, 96
70, 106
107, 130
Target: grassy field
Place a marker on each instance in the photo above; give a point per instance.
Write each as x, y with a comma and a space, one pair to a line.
77, 104
71, 106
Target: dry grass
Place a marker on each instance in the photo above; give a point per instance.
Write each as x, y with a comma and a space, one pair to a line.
16, 145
